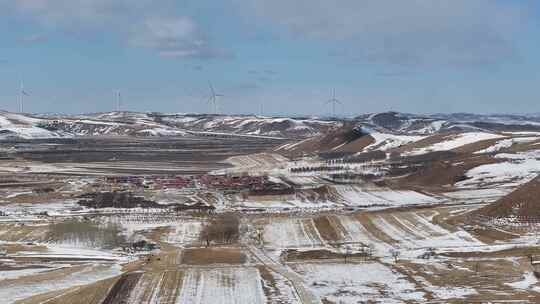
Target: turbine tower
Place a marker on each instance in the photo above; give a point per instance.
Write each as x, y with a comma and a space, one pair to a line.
22, 93
118, 96
213, 97
334, 101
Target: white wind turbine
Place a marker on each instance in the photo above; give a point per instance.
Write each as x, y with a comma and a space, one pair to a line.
261, 108
213, 97
118, 96
334, 101
22, 93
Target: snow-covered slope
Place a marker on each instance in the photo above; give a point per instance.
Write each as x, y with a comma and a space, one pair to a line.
21, 126
429, 124
392, 122
390, 127
156, 124
252, 125
454, 141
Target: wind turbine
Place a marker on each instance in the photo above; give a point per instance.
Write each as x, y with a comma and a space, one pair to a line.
22, 93
118, 96
261, 108
334, 101
213, 97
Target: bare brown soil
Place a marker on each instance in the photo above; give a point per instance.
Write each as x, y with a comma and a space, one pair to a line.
270, 286
23, 232
523, 203
121, 289
326, 230
319, 254
428, 141
90, 294
207, 256
15, 248
512, 252
365, 220
443, 173
487, 276
356, 145
523, 147
340, 140
477, 146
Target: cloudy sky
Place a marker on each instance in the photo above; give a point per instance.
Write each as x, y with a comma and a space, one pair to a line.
284, 56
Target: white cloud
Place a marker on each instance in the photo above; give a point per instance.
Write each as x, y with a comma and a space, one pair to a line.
142, 23
411, 32
175, 37
397, 32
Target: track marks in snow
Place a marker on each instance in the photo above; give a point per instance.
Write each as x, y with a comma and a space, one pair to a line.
292, 233
354, 283
412, 230
185, 232
224, 286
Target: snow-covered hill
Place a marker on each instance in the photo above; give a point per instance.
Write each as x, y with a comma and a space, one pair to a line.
394, 122
252, 125
25, 127
381, 125
155, 124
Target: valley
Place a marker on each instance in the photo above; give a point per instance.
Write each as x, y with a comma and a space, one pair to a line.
382, 208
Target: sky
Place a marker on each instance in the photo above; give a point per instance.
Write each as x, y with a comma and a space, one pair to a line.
279, 57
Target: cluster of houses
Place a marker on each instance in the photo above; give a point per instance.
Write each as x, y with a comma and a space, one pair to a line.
151, 182
227, 183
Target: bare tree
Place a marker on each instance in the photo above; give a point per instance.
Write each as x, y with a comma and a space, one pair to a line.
395, 254
477, 267
347, 253
259, 233
221, 229
207, 234
529, 253
371, 249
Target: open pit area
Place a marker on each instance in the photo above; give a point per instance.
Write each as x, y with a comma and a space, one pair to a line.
104, 155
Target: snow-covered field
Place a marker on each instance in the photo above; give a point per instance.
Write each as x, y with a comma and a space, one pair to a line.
356, 196
478, 195
292, 233
413, 231
224, 286
384, 141
184, 232
515, 169
455, 141
18, 289
354, 283
507, 143
338, 196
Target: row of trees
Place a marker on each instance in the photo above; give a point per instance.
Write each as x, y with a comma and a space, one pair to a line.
317, 169
222, 229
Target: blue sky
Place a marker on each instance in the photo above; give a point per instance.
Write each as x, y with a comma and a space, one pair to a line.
421, 56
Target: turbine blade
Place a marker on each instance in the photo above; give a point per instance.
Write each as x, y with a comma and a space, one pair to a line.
211, 88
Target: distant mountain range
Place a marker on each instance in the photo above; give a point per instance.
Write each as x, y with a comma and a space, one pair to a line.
26, 126
394, 122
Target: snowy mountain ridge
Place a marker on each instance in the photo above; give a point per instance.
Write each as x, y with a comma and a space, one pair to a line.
28, 126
